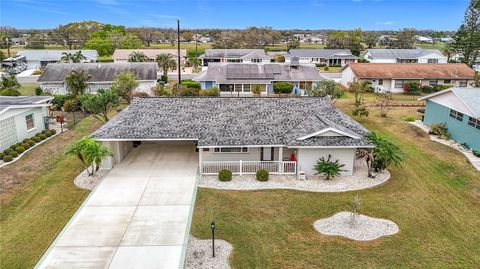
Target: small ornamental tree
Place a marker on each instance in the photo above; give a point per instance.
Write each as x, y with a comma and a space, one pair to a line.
355, 205
411, 88
326, 88
384, 154
100, 104
282, 87
124, 85
76, 81
90, 152
328, 168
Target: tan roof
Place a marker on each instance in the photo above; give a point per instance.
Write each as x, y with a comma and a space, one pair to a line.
150, 53
411, 71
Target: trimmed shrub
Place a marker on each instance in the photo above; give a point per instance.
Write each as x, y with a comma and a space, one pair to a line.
14, 154
321, 65
7, 158
185, 91
282, 87
53, 131
191, 84
12, 147
426, 89
25, 140
30, 142
42, 136
25, 146
7, 151
20, 150
212, 91
326, 68
164, 78
262, 175
1, 155
38, 91
36, 139
409, 118
10, 92
48, 134
225, 175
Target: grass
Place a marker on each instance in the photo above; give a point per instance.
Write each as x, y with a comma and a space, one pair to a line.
28, 88
331, 69
44, 199
434, 198
183, 45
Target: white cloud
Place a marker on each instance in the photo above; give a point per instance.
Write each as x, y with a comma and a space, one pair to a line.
385, 23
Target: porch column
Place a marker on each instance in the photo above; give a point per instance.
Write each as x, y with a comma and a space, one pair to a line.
200, 166
280, 160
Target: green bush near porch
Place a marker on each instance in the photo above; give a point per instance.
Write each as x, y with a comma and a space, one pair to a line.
262, 175
225, 175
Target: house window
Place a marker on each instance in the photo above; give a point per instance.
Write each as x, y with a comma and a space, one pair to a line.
29, 121
380, 82
246, 87
238, 87
433, 82
433, 61
462, 83
474, 122
398, 83
231, 150
447, 81
456, 115
256, 60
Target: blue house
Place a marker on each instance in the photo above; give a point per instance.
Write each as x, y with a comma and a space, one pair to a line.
459, 110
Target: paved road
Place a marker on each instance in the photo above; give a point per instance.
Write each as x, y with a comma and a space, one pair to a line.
337, 77
138, 217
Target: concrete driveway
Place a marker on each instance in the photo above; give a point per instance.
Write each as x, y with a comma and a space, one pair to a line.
138, 216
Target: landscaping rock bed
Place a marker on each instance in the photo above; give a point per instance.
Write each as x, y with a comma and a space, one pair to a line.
475, 161
85, 182
365, 228
359, 180
199, 254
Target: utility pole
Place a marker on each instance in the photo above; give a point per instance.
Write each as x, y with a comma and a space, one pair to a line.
8, 45
179, 84
196, 50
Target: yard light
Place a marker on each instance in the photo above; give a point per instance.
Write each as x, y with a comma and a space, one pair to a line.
212, 227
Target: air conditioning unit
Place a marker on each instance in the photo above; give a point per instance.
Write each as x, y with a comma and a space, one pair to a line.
301, 175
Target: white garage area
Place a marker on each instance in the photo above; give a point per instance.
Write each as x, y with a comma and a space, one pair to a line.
138, 216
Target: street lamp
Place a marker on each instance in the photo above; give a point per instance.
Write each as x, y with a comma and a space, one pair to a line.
212, 227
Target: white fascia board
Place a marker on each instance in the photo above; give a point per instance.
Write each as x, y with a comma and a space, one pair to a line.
145, 139
242, 146
327, 130
331, 147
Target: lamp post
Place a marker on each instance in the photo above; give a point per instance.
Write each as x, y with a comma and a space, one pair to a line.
212, 227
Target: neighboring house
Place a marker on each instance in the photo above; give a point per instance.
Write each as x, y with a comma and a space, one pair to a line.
22, 117
417, 55
459, 110
40, 58
241, 78
327, 57
102, 75
392, 77
18, 41
282, 135
121, 55
424, 39
234, 56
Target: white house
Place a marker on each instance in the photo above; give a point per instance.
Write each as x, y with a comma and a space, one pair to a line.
240, 79
417, 55
392, 77
22, 117
234, 56
326, 57
102, 75
282, 135
37, 59
121, 55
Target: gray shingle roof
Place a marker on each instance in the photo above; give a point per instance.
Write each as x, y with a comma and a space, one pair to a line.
56, 72
470, 97
22, 101
401, 53
226, 73
55, 55
223, 121
322, 53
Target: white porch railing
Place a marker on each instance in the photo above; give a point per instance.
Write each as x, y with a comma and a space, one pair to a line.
249, 167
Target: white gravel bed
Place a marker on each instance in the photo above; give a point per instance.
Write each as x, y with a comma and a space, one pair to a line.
365, 228
85, 182
475, 161
358, 181
199, 254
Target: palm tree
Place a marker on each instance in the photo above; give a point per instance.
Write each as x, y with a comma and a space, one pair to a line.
90, 152
72, 57
385, 153
137, 56
66, 57
76, 81
165, 62
328, 167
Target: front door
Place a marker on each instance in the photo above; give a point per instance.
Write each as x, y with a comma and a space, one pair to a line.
267, 154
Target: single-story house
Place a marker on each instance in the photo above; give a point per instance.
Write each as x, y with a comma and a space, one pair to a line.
417, 55
37, 59
459, 110
121, 55
102, 75
241, 78
234, 56
22, 117
327, 57
391, 77
284, 135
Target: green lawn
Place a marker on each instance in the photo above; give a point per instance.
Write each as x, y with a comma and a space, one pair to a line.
34, 211
28, 88
434, 198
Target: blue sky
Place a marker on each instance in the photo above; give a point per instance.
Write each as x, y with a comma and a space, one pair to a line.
279, 14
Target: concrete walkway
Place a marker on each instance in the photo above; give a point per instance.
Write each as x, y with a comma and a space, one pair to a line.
138, 216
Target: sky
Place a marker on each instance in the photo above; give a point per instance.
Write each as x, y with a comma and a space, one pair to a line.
279, 14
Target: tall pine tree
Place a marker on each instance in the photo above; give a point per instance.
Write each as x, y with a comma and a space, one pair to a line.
467, 39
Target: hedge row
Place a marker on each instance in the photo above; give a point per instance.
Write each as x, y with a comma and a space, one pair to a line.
20, 147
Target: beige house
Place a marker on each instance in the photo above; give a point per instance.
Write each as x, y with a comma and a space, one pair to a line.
121, 55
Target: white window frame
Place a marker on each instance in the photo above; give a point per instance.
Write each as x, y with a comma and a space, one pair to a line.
33, 122
463, 83
435, 82
474, 122
456, 115
432, 61
220, 150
